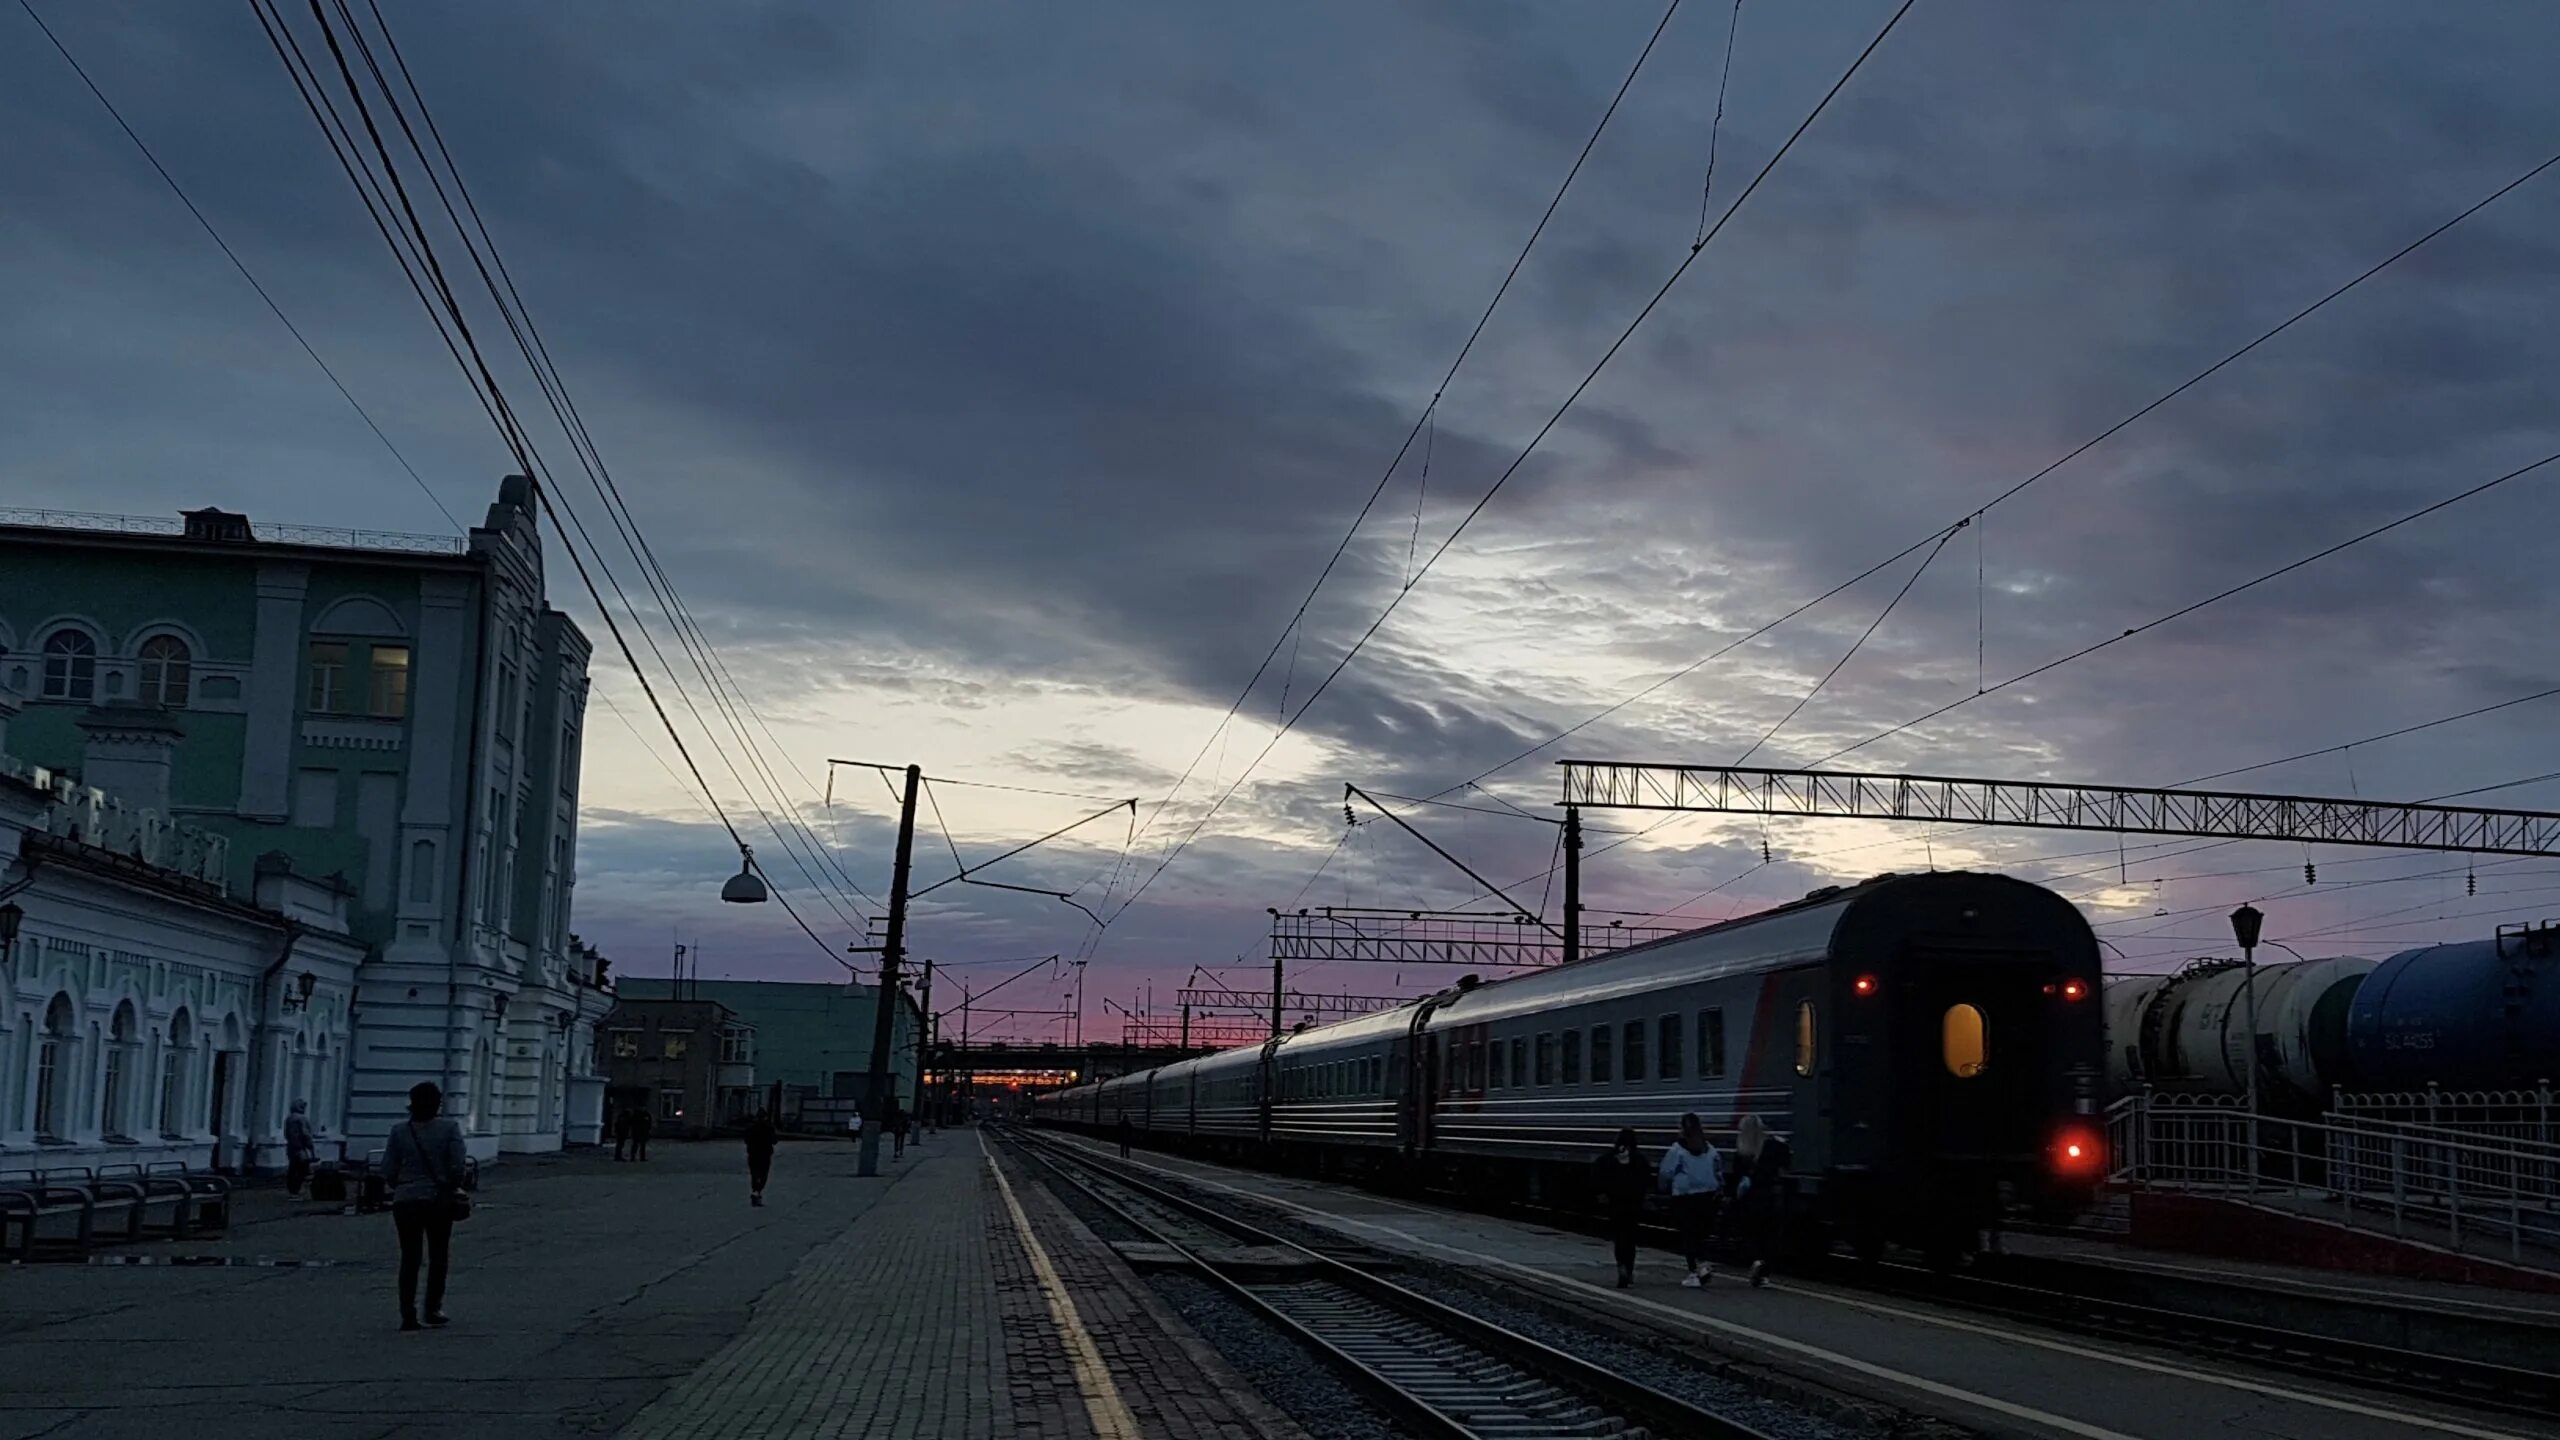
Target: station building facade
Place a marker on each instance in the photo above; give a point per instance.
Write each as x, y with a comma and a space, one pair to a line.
399, 716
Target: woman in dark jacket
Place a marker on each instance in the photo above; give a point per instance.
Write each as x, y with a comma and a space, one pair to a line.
1624, 1180
1761, 1199
423, 1165
761, 1137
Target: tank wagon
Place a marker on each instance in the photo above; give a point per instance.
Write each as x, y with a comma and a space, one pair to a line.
1930, 1045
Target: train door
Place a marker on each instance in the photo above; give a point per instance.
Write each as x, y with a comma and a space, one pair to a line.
1410, 1068
1981, 1067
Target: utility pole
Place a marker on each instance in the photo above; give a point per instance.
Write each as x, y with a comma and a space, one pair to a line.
1572, 883
1275, 997
924, 1026
892, 949
1186, 1025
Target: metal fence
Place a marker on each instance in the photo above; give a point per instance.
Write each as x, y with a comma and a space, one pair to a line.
2405, 1179
2527, 1116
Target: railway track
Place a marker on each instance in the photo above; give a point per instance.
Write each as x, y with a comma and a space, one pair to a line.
1435, 1370
2432, 1355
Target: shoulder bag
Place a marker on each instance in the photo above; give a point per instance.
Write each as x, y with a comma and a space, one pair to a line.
457, 1201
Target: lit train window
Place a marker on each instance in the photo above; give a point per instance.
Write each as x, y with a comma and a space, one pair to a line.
1804, 1038
1964, 1042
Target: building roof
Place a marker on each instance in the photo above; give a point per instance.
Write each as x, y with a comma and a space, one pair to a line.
217, 530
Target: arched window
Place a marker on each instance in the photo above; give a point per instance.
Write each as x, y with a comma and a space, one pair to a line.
54, 1056
176, 1058
168, 669
114, 1090
70, 666
1804, 1038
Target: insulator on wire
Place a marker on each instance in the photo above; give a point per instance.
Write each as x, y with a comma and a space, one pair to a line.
1347, 817
1764, 849
2310, 873
2470, 883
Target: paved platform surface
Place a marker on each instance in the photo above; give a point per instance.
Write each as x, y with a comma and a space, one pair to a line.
596, 1298
1985, 1374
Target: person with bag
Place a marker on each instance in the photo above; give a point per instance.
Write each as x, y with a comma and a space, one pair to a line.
1695, 1178
299, 1152
423, 1163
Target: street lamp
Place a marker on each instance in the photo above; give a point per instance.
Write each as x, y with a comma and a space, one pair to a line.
2245, 924
746, 887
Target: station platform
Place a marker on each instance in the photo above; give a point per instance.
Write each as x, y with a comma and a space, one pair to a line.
941, 1299
1910, 1366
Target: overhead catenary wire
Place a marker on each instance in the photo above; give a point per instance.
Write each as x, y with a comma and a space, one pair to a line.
2031, 480
454, 330
727, 696
240, 265
1465, 348
1487, 498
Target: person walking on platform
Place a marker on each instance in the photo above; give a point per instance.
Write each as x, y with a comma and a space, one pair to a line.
1127, 1131
1624, 1180
298, 1149
423, 1163
1760, 1209
618, 1117
897, 1123
761, 1137
853, 1125
640, 1122
1695, 1178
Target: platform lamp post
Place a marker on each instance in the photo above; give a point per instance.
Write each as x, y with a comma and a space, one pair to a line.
2246, 923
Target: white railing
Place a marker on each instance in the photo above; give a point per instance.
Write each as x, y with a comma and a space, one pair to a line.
2529, 1116
2408, 1179
86, 815
321, 535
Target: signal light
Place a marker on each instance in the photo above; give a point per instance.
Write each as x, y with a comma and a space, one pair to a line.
1864, 985
2075, 990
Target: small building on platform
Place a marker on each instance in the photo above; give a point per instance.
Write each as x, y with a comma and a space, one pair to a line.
813, 1041
690, 1063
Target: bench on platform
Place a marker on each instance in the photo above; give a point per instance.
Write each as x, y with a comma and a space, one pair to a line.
37, 1209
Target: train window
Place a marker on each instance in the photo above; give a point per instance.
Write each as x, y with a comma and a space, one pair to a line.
1804, 1038
1600, 1067
1962, 1040
1711, 1044
1633, 1051
1519, 1059
1499, 1060
1569, 1067
1475, 1064
1667, 1064
1546, 1060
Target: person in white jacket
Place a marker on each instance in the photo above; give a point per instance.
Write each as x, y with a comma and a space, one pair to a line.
1695, 1178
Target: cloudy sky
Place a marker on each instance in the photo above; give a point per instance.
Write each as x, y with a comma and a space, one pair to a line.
994, 381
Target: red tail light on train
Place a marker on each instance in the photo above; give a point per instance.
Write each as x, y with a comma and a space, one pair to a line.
2078, 1153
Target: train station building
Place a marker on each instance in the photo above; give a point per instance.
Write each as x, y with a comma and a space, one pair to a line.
393, 718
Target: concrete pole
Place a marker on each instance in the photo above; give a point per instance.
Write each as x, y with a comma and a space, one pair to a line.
883, 1012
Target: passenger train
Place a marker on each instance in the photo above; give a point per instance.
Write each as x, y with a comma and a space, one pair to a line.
1931, 1046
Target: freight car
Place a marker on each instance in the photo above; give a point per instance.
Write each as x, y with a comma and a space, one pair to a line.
2472, 1015
1930, 1045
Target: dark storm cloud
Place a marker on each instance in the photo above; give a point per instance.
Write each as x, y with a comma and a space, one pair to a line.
968, 359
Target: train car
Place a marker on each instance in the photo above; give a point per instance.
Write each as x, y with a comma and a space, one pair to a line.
2188, 1031
1928, 1044
2476, 1014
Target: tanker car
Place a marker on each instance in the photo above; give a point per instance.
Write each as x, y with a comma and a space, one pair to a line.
2471, 1015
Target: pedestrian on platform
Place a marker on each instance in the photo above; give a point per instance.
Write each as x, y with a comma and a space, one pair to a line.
1623, 1181
898, 1123
1126, 1133
761, 1136
853, 1125
423, 1163
1695, 1178
298, 1149
1759, 1202
640, 1123
618, 1117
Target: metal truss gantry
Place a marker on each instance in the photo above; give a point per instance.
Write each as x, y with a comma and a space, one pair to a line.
2043, 805
1436, 937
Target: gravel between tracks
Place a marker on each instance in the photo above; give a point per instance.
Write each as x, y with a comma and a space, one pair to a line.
1286, 1373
